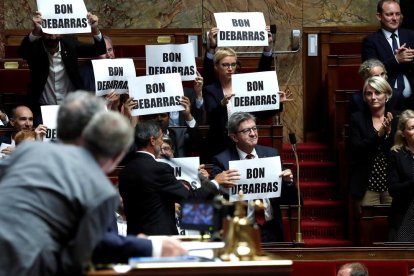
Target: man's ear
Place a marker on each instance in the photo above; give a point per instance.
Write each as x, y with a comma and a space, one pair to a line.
12, 122
233, 137
378, 15
152, 141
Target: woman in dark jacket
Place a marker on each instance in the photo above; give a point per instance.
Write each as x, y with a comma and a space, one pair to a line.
371, 133
401, 180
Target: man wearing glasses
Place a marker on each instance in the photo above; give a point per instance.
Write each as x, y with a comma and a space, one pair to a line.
243, 132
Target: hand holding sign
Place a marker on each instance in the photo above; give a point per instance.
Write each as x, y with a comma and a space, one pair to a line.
93, 21
41, 131
227, 178
37, 24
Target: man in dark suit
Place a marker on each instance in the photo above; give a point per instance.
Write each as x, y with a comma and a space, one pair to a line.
243, 132
150, 190
394, 47
50, 82
80, 107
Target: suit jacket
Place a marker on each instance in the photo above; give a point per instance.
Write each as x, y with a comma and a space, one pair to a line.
364, 144
149, 190
400, 185
118, 249
288, 193
36, 56
186, 140
376, 46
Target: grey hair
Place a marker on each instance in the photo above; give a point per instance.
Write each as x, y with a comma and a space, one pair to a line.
357, 269
107, 134
236, 119
75, 112
144, 131
366, 67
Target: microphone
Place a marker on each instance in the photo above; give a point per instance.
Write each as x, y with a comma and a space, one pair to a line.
292, 140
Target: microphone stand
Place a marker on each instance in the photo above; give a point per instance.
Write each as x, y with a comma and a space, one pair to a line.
299, 238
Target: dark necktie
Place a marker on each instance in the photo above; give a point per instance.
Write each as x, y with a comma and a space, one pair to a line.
400, 78
258, 213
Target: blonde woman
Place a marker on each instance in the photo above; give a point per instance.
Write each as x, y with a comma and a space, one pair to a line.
401, 180
371, 133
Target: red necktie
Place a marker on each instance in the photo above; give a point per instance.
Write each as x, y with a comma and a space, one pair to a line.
258, 213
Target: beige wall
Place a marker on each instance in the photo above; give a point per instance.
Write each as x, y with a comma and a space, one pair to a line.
286, 14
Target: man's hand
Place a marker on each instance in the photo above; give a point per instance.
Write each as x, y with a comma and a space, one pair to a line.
226, 178
285, 96
40, 132
202, 172
172, 247
212, 39
270, 40
93, 21
37, 24
8, 150
198, 86
404, 54
112, 100
287, 175
185, 102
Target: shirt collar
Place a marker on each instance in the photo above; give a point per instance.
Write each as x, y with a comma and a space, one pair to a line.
242, 154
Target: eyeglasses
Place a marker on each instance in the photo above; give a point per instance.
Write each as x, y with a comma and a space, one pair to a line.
229, 65
247, 130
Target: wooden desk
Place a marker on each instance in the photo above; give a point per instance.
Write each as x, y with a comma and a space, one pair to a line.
274, 268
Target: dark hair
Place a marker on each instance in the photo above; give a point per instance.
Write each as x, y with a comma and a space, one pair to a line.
144, 131
381, 3
236, 119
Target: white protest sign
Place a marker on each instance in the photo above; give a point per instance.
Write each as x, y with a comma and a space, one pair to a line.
63, 16
255, 92
241, 29
112, 74
156, 94
171, 58
2, 147
185, 169
49, 118
259, 178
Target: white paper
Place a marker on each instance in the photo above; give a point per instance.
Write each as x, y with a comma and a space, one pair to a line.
156, 94
49, 118
259, 178
64, 16
185, 168
255, 92
2, 147
171, 58
112, 74
241, 29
